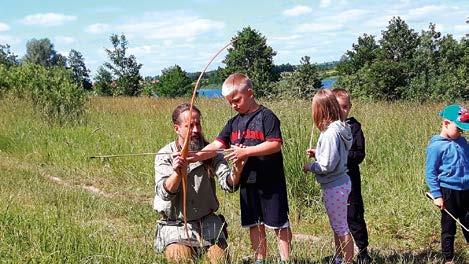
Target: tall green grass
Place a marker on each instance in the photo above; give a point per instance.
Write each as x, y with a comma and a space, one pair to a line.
59, 206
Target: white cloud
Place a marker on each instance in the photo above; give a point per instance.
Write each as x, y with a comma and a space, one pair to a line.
47, 19
286, 38
425, 10
350, 15
167, 26
297, 10
319, 27
324, 3
97, 28
376, 24
4, 27
168, 43
142, 50
440, 27
64, 40
462, 28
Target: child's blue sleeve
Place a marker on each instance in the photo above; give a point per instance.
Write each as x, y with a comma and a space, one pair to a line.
431, 171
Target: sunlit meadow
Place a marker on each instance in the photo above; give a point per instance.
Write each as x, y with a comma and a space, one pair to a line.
59, 206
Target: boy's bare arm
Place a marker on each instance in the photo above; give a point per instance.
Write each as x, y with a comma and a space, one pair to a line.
265, 148
207, 152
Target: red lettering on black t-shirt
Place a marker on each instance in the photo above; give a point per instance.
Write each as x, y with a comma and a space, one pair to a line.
247, 134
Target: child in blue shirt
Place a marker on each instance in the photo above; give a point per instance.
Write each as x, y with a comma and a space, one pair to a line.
447, 174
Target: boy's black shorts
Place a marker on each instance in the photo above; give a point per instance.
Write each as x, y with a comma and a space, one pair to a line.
265, 203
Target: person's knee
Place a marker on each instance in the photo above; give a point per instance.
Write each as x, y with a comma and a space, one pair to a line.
284, 233
177, 253
217, 254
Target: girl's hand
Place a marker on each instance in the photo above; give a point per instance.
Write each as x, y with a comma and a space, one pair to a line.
311, 153
439, 202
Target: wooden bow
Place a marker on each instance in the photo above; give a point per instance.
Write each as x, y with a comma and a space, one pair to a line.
185, 147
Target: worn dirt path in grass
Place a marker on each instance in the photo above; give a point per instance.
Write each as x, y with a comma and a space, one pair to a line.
48, 173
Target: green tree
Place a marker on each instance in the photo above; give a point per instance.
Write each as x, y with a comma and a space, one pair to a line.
406, 65
103, 82
7, 57
41, 51
279, 69
381, 71
452, 82
81, 75
126, 69
4, 80
393, 69
362, 53
302, 83
215, 78
425, 66
398, 42
174, 82
150, 85
251, 55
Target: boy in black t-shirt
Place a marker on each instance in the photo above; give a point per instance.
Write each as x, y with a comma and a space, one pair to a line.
253, 135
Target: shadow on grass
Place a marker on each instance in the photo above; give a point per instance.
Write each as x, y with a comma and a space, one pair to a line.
381, 256
422, 257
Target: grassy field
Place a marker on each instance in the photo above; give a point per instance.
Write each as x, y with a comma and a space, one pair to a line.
59, 206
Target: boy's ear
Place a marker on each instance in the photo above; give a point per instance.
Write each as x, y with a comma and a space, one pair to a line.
446, 122
250, 92
176, 128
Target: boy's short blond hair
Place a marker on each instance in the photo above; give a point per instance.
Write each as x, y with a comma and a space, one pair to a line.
235, 82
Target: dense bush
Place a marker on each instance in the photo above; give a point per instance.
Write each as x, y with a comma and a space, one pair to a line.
174, 82
52, 90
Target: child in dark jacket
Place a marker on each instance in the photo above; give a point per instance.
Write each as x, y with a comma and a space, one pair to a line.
355, 208
447, 174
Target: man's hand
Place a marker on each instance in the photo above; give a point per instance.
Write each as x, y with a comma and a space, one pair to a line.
179, 163
311, 153
307, 167
439, 202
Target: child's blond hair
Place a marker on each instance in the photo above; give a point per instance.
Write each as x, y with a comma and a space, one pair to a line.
235, 82
325, 109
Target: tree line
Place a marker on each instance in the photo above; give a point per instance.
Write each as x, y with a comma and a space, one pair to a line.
402, 65
249, 54
406, 65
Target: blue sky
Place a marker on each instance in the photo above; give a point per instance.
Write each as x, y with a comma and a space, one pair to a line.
188, 33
